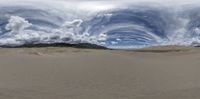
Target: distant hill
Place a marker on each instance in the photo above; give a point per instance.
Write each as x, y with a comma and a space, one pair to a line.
81, 45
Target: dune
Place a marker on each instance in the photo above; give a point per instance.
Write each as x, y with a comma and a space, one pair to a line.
170, 72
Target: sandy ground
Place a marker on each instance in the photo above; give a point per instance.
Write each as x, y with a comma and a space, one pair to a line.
68, 73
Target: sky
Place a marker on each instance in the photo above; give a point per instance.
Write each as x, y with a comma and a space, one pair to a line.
101, 4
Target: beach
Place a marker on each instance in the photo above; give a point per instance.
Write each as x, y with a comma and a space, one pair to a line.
170, 72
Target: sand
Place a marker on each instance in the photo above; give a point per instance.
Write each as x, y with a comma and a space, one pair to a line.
69, 73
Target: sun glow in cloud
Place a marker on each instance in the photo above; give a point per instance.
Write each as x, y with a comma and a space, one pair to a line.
93, 6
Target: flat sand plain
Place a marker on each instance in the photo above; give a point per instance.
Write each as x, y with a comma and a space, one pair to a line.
169, 72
